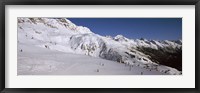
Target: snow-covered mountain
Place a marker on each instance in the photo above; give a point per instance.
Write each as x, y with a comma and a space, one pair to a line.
61, 34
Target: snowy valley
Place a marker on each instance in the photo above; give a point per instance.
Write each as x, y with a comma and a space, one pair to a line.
57, 46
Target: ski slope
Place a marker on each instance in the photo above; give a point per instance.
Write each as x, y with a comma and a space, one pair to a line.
39, 61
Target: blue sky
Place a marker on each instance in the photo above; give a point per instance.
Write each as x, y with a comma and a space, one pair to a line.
135, 28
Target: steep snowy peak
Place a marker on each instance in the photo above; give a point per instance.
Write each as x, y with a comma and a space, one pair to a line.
87, 44
144, 39
178, 41
172, 44
58, 23
120, 38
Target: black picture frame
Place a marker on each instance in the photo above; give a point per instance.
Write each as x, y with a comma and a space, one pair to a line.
98, 2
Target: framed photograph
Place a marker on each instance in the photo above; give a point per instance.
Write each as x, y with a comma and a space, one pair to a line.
94, 46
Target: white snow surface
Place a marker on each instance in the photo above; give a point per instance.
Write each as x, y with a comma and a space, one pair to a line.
40, 61
58, 46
